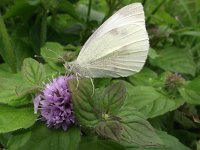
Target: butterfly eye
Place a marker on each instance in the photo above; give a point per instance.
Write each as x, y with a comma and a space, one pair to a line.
69, 67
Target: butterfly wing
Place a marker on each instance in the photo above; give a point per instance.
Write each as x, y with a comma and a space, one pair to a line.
119, 47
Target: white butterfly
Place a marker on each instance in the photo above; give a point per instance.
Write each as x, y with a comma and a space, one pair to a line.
118, 48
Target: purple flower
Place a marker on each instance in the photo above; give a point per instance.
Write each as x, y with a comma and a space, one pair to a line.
55, 103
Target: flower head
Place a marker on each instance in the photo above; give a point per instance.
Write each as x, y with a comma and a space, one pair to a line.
55, 103
173, 82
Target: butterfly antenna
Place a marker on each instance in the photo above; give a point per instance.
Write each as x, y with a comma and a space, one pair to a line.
37, 56
59, 56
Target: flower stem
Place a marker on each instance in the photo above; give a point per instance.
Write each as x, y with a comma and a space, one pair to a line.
6, 50
144, 2
171, 121
155, 10
43, 34
89, 11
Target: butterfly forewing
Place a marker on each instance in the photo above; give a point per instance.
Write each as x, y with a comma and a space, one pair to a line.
119, 47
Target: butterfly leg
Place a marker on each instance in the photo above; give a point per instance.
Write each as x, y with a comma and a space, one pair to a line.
92, 86
93, 89
77, 80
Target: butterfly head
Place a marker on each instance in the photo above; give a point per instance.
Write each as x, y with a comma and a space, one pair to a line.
72, 67
75, 68
69, 66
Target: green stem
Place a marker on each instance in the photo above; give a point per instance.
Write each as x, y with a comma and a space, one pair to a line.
7, 51
155, 10
87, 20
144, 2
110, 9
171, 122
89, 11
43, 34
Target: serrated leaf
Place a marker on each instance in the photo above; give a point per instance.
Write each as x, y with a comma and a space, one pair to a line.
33, 71
8, 90
26, 89
191, 96
21, 101
96, 144
101, 82
45, 138
136, 130
170, 143
176, 60
191, 91
52, 53
109, 129
145, 77
12, 118
113, 98
150, 102
83, 101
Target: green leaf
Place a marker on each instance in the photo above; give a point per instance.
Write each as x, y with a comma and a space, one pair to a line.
136, 130
33, 71
101, 82
34, 37
10, 90
182, 119
20, 8
113, 98
12, 118
49, 71
62, 22
109, 129
5, 70
191, 33
83, 101
4, 139
188, 12
164, 18
24, 90
129, 128
21, 101
42, 138
67, 7
171, 143
150, 102
191, 96
96, 144
191, 91
6, 50
52, 53
198, 145
22, 50
176, 60
145, 77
